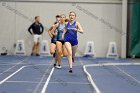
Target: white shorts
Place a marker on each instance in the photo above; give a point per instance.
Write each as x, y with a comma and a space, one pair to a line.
37, 38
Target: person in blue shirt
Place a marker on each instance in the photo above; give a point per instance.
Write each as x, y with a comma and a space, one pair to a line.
60, 48
70, 37
36, 29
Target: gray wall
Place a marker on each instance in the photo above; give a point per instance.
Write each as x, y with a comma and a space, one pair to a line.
101, 22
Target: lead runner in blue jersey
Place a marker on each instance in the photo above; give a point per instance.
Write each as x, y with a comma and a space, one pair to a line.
70, 37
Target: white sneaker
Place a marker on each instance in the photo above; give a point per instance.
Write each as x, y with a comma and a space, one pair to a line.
59, 67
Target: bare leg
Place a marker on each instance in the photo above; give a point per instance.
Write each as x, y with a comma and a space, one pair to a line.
34, 48
74, 49
59, 51
38, 48
69, 50
55, 57
65, 53
53, 52
52, 48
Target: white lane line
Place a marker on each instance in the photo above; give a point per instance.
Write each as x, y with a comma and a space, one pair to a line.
31, 65
112, 64
81, 62
1, 64
47, 81
91, 80
107, 64
13, 66
96, 89
75, 83
128, 74
44, 75
1, 82
63, 82
32, 82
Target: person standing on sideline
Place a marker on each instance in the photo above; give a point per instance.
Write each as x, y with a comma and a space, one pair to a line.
36, 29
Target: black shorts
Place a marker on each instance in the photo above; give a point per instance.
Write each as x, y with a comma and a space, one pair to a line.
53, 40
62, 41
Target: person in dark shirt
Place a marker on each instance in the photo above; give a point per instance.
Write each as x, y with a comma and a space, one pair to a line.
36, 29
54, 39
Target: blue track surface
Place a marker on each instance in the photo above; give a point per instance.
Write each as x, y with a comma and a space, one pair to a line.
29, 75
118, 79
